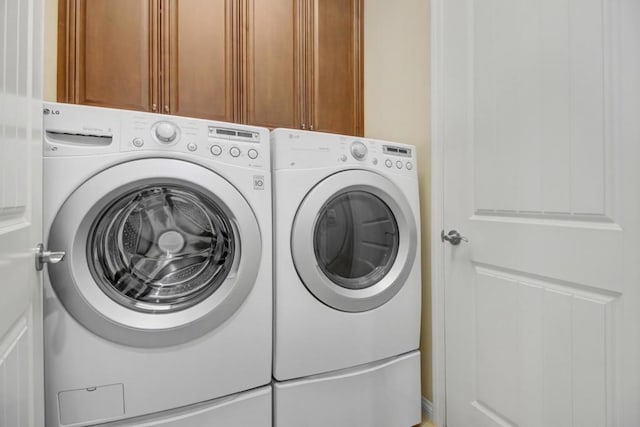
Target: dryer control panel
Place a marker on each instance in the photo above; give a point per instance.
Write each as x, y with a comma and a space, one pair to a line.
297, 149
79, 130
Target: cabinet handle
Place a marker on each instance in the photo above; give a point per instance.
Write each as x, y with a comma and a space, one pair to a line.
154, 108
166, 108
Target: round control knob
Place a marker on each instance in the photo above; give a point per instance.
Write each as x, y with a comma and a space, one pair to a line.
252, 153
388, 163
234, 151
192, 147
409, 165
343, 158
216, 150
399, 164
166, 132
138, 142
358, 150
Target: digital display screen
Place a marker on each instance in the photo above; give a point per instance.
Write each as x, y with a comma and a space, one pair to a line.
396, 151
238, 135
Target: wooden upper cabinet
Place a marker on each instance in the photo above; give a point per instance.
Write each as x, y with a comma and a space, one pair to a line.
336, 99
303, 64
272, 94
167, 56
200, 76
273, 63
110, 52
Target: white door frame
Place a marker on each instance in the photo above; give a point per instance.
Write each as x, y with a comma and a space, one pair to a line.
437, 215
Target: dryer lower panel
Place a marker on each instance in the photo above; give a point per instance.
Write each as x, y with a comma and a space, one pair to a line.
380, 394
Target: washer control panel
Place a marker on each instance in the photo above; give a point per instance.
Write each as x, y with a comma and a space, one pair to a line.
80, 130
223, 142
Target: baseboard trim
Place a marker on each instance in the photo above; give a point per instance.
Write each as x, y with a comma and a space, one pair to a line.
427, 408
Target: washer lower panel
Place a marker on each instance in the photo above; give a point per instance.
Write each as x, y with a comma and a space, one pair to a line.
251, 408
139, 381
379, 394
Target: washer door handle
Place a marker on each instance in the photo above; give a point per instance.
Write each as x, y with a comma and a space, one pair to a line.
47, 257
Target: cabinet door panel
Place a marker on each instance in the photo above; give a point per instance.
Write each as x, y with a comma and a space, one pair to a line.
114, 56
272, 68
336, 66
200, 52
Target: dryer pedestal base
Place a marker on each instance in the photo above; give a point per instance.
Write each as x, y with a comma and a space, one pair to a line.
379, 394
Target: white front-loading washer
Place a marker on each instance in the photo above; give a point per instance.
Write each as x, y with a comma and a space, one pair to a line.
347, 283
163, 299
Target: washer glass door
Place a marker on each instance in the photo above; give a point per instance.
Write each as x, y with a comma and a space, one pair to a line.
159, 252
161, 247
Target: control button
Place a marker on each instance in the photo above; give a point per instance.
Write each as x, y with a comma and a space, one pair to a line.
399, 164
375, 161
216, 150
358, 150
234, 151
253, 154
192, 147
343, 158
388, 163
166, 132
137, 142
409, 165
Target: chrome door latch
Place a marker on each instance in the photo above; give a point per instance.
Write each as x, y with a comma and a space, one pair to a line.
47, 257
453, 237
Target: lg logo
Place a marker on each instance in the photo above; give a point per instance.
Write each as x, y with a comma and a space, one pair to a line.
47, 111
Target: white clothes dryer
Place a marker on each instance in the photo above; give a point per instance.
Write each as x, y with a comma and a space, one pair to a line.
347, 283
347, 269
163, 299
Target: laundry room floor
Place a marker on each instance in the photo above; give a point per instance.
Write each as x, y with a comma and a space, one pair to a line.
426, 423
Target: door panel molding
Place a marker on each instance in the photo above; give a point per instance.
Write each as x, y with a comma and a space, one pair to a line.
16, 356
531, 114
562, 350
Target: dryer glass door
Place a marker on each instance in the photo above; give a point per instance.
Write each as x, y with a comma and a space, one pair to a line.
356, 239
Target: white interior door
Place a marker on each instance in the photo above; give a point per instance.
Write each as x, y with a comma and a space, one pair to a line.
21, 384
539, 115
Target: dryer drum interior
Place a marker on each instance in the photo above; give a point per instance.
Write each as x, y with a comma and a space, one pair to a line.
356, 239
160, 247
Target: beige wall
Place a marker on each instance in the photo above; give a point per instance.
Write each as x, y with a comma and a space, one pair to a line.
50, 48
396, 98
